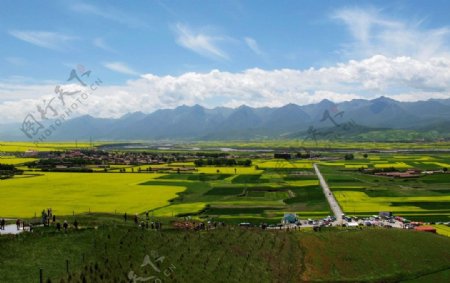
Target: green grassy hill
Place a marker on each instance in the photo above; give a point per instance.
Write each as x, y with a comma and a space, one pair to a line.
228, 254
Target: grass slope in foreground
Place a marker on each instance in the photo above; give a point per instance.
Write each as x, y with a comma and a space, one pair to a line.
227, 254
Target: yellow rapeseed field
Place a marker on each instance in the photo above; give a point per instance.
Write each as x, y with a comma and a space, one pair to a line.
81, 192
15, 161
352, 201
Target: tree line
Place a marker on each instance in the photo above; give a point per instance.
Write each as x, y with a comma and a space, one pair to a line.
222, 162
8, 171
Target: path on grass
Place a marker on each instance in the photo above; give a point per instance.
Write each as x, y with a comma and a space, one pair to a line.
11, 229
334, 205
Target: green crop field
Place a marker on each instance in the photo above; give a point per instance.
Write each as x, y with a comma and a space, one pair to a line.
361, 202
421, 198
229, 170
273, 186
81, 192
280, 164
107, 248
244, 197
443, 230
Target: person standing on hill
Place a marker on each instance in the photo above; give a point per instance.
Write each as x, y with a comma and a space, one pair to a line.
65, 225
44, 217
54, 218
2, 224
18, 224
136, 219
75, 224
58, 226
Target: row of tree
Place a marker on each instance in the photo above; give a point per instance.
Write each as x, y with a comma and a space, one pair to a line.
8, 171
222, 162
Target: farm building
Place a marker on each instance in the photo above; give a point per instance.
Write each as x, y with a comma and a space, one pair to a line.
425, 229
289, 218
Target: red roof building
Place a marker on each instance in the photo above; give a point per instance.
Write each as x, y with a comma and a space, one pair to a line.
425, 229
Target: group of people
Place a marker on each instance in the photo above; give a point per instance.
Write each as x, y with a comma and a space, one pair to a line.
21, 222
188, 224
147, 224
47, 215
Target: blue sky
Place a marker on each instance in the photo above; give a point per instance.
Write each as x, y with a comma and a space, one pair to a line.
161, 54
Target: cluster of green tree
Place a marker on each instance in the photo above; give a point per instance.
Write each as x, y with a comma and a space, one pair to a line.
8, 171
222, 162
349, 156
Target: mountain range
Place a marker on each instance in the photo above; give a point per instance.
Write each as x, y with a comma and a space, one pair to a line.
199, 123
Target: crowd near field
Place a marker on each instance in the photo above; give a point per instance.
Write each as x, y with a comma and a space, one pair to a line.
364, 178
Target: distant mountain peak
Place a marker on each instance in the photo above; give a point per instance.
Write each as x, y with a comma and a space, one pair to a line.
133, 114
383, 99
326, 101
245, 122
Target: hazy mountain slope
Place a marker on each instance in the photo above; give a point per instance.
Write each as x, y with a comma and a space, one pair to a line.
244, 122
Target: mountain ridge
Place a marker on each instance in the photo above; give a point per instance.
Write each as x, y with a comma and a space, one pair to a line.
197, 122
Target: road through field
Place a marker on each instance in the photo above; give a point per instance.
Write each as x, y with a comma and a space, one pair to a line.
329, 195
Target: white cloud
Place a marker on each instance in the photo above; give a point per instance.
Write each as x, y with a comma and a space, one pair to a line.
402, 78
201, 43
100, 43
108, 13
16, 61
374, 33
120, 68
253, 45
46, 39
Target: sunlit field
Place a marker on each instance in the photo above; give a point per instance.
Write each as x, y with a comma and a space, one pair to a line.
15, 161
50, 146
443, 230
229, 170
424, 198
360, 202
263, 191
284, 164
66, 193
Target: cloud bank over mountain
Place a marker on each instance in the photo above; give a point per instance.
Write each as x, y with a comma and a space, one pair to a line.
400, 78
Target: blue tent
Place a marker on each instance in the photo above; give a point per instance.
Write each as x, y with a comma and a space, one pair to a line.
289, 218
